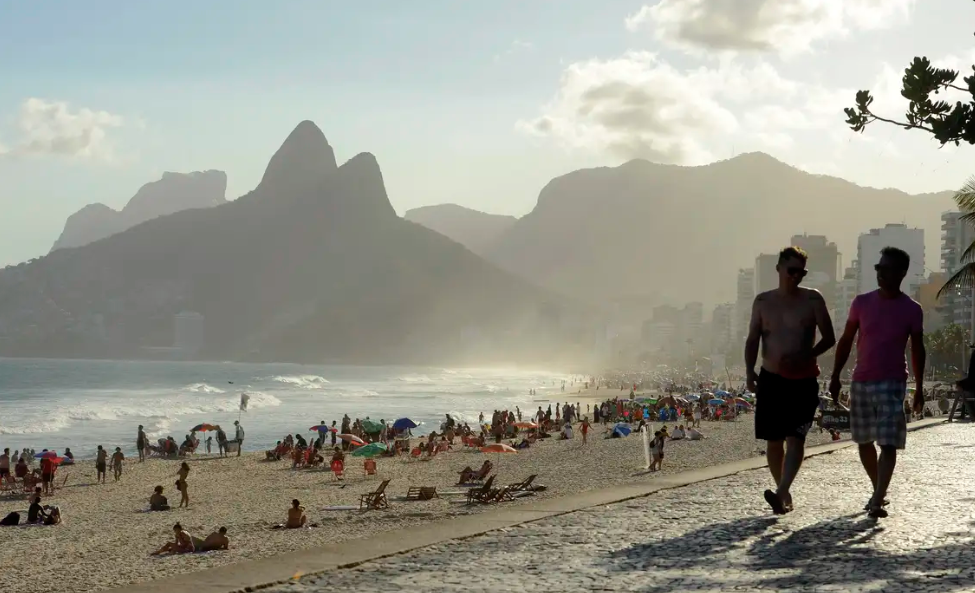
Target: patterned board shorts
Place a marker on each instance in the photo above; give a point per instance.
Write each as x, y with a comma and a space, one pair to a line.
877, 413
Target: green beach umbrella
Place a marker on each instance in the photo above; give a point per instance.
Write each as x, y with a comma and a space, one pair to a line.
370, 426
370, 450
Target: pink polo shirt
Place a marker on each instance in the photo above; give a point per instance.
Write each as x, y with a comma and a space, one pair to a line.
885, 326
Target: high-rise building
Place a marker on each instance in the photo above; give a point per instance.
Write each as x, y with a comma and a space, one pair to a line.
823, 265
766, 277
892, 235
722, 328
956, 236
743, 302
846, 291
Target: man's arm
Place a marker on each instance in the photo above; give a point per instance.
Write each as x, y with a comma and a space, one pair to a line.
754, 338
918, 359
825, 325
845, 346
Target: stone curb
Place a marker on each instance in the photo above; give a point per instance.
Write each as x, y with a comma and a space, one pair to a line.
275, 570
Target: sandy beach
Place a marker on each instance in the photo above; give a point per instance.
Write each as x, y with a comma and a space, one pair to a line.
107, 535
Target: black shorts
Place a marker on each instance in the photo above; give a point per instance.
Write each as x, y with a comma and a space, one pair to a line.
784, 407
4, 472
99, 466
47, 478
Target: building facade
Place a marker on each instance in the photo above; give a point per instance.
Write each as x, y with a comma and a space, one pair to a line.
956, 236
823, 265
743, 302
893, 235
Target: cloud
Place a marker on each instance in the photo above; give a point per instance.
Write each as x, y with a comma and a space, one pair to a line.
52, 128
517, 46
639, 106
779, 26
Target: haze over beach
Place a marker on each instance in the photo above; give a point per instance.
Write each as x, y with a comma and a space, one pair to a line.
447, 227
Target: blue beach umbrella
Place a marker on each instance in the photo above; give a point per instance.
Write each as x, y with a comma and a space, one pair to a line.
404, 424
622, 429
716, 402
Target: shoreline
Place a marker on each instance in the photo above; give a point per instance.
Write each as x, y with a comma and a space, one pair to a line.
106, 524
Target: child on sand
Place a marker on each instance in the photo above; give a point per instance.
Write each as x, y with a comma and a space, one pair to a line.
117, 458
585, 430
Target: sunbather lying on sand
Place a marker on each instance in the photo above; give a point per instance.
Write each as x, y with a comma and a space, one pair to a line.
215, 541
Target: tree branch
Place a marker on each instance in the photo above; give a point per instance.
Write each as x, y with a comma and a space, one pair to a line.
904, 125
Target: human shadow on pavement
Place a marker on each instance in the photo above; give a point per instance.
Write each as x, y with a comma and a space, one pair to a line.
837, 552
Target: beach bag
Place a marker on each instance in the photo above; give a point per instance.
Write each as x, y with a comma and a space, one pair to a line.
10, 520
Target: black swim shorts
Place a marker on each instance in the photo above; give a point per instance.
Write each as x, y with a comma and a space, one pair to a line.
784, 407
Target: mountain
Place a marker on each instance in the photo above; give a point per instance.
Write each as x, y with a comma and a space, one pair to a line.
172, 193
313, 265
680, 234
473, 229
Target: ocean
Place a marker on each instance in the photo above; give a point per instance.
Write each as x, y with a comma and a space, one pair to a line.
84, 403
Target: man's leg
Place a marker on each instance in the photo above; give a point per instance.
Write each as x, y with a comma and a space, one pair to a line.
240, 445
868, 457
885, 471
795, 451
775, 454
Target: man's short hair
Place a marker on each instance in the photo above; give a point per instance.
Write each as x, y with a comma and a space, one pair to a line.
793, 252
900, 258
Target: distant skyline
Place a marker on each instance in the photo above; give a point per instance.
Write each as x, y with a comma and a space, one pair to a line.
475, 103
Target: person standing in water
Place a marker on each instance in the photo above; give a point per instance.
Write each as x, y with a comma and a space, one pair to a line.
884, 319
784, 322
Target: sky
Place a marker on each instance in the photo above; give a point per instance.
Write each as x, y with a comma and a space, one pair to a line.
478, 103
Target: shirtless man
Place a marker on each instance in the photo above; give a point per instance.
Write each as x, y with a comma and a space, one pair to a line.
100, 462
296, 515
117, 458
784, 321
215, 541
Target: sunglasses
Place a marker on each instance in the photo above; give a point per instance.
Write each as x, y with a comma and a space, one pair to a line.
800, 272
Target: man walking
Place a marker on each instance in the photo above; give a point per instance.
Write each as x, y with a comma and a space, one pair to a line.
141, 443
784, 321
884, 320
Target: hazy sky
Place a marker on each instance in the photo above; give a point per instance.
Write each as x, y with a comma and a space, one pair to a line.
476, 102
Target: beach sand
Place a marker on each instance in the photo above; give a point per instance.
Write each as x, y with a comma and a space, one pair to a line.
106, 536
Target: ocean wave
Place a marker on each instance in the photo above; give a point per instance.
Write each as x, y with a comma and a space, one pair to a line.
203, 388
415, 379
303, 381
161, 411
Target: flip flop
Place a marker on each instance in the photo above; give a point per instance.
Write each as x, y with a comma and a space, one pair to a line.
775, 502
885, 502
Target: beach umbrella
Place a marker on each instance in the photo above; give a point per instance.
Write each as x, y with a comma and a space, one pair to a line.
742, 402
404, 424
203, 427
46, 454
716, 402
352, 439
370, 426
323, 428
693, 397
498, 448
721, 393
370, 450
622, 429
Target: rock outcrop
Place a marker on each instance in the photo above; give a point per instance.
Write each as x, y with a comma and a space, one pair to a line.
174, 192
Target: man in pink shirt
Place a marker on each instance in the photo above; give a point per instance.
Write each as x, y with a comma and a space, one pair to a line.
884, 319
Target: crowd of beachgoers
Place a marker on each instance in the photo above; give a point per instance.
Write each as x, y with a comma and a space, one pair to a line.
308, 491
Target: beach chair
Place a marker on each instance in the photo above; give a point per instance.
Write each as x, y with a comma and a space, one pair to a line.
476, 477
422, 493
498, 495
479, 493
375, 500
525, 485
338, 468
